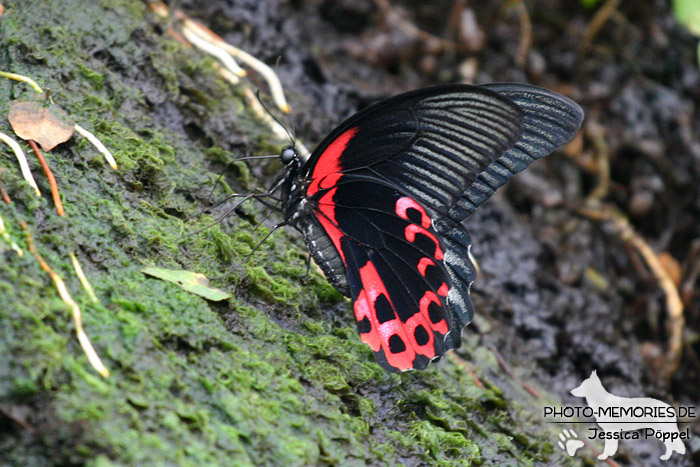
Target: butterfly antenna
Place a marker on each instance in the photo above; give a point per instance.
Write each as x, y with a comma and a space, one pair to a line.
291, 137
221, 173
256, 248
292, 125
220, 218
218, 181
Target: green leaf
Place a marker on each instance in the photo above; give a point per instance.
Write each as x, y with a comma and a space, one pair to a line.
688, 14
192, 282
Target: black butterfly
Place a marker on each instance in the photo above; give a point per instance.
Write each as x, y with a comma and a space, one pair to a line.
382, 199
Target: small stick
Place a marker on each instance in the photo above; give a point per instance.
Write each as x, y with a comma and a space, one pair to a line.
410, 28
674, 304
22, 159
525, 34
22, 78
602, 160
265, 71
89, 350
506, 368
215, 50
83, 279
8, 239
5, 196
3, 193
98, 144
52, 180
603, 14
468, 369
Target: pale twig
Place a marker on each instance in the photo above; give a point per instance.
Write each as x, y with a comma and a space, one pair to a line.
83, 279
227, 75
603, 14
98, 144
8, 239
265, 71
595, 210
22, 159
275, 126
525, 33
602, 159
410, 28
674, 304
214, 50
90, 352
22, 78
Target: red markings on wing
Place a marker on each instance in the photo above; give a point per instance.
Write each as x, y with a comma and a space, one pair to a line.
406, 203
326, 217
423, 265
400, 342
325, 176
402, 206
438, 322
412, 230
327, 171
384, 336
435, 320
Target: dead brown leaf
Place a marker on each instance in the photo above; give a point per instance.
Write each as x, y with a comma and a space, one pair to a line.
48, 125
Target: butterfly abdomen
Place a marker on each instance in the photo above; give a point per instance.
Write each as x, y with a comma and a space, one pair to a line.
324, 253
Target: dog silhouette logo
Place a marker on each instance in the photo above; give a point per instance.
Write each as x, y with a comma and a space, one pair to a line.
623, 417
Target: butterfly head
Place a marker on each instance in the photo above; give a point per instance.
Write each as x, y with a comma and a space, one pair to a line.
288, 155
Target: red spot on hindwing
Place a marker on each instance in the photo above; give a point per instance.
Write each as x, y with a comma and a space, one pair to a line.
412, 230
423, 265
428, 299
403, 205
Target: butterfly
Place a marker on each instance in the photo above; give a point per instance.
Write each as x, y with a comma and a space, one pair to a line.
382, 200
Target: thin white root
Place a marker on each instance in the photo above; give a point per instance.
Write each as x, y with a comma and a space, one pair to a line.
224, 57
98, 144
6, 237
22, 159
83, 278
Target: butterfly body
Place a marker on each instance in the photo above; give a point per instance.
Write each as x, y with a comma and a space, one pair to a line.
381, 202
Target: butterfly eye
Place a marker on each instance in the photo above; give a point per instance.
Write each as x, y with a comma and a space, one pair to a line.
288, 155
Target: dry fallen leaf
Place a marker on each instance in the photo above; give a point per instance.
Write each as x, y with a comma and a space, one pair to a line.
47, 125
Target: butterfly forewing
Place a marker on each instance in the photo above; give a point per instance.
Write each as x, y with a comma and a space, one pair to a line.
549, 120
430, 143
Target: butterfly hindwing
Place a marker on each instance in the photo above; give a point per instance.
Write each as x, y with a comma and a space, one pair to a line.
396, 273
